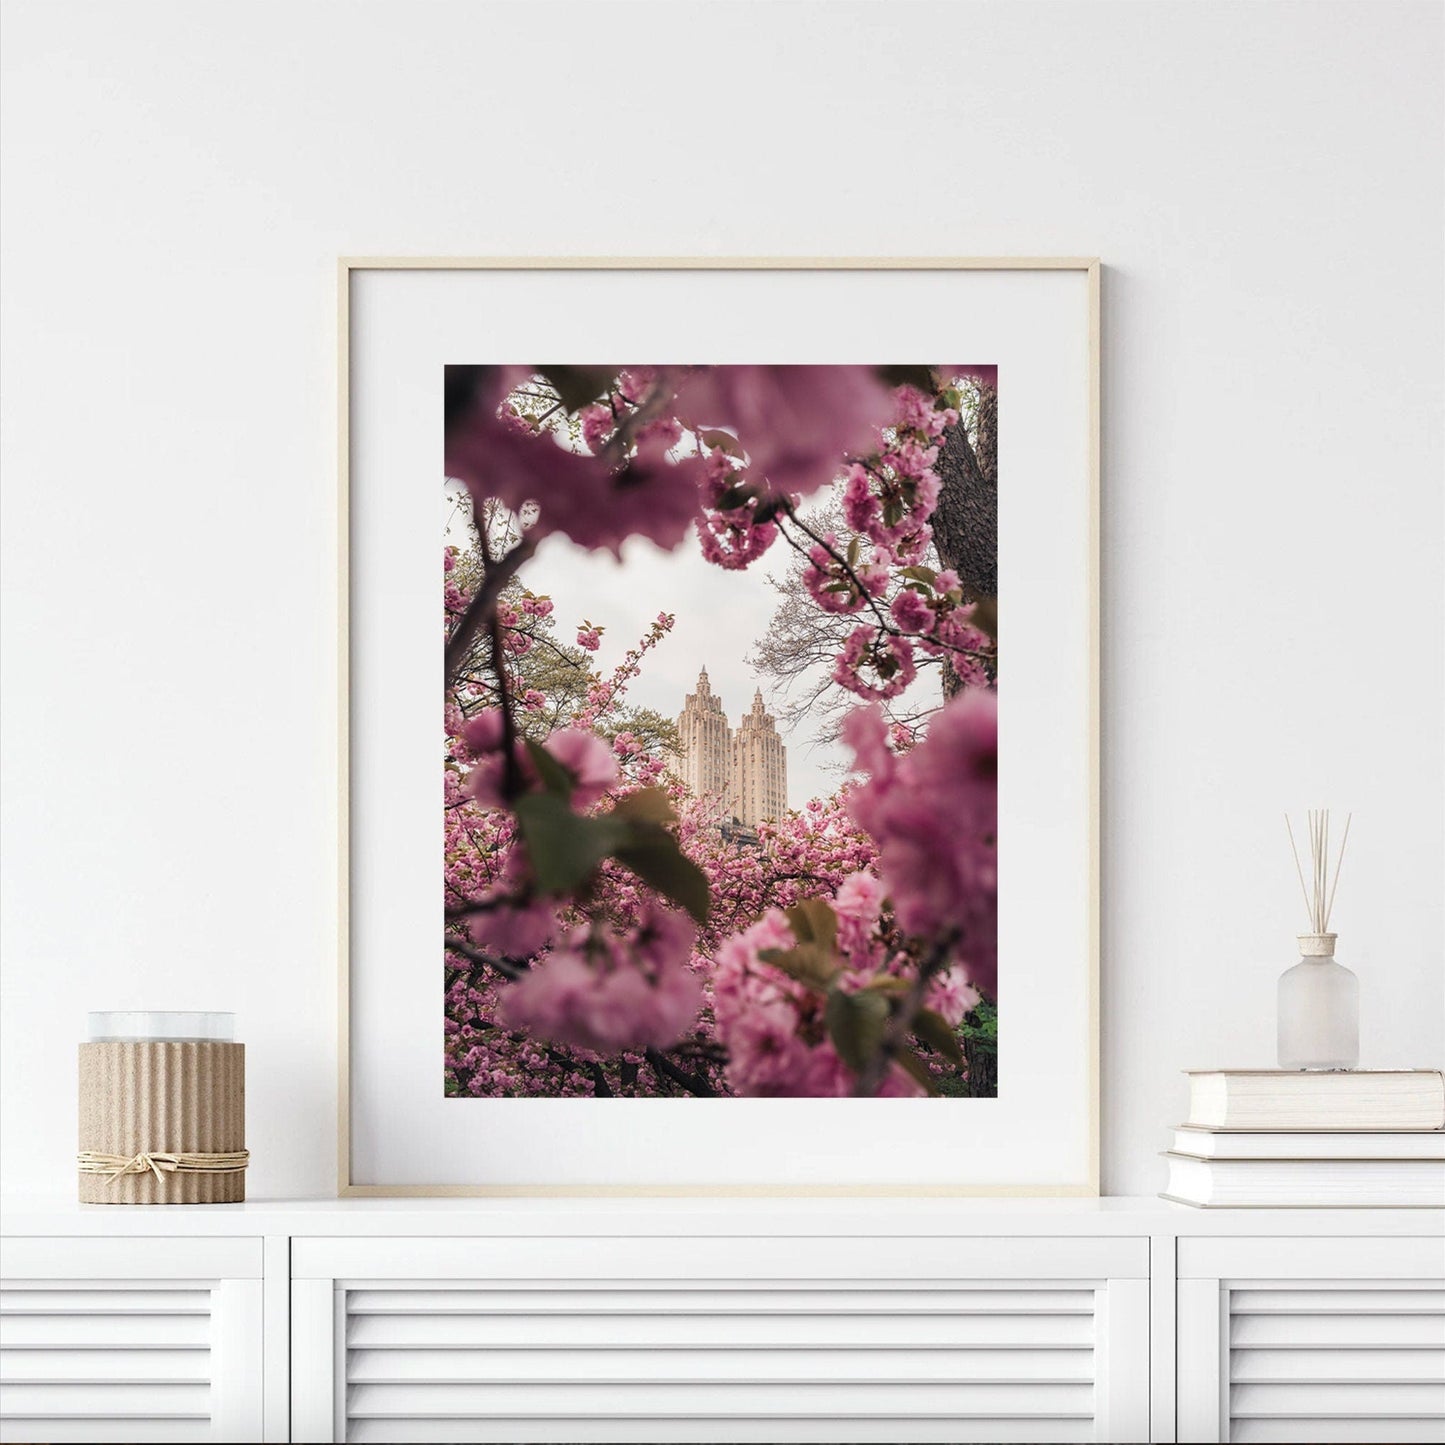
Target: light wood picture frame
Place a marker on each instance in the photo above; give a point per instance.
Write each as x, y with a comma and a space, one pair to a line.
363, 318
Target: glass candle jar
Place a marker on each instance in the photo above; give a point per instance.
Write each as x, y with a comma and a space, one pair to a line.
139, 1026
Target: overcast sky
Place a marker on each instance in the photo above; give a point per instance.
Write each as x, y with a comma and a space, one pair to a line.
719, 615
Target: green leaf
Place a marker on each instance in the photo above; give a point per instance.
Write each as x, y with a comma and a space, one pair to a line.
888, 984
933, 1029
733, 497
854, 548
911, 1063
564, 848
555, 778
813, 921
723, 441
855, 1024
815, 959
921, 574
807, 963
646, 805
652, 853
577, 385
985, 616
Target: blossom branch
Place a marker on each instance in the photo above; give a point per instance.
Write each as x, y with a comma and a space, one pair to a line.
885, 623
510, 971
483, 606
695, 1084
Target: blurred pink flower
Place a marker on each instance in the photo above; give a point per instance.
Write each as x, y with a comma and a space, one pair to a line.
934, 815
773, 1026
857, 906
860, 897
605, 991
590, 761
590, 499
483, 732
514, 932
797, 424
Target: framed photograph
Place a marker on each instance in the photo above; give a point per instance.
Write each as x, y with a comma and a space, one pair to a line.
758, 602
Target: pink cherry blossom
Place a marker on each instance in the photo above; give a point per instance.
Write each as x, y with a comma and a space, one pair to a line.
861, 505
828, 582
912, 409
889, 659
598, 424
951, 995
590, 761
911, 612
733, 530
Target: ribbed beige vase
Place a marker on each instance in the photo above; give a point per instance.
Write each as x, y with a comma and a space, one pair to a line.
163, 1098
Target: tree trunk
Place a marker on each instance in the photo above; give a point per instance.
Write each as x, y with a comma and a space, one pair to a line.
965, 523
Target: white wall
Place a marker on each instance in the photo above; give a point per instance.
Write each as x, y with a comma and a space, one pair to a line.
1263, 182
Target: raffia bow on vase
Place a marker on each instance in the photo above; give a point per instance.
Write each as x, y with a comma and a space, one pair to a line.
160, 1163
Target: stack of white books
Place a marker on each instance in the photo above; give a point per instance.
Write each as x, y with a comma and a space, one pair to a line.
1263, 1138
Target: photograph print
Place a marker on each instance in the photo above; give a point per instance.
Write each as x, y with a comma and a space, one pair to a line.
720, 755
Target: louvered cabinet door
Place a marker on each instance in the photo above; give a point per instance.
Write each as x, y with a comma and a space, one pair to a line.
1311, 1340
721, 1340
139, 1339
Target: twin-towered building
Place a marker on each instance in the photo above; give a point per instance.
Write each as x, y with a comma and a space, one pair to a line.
747, 768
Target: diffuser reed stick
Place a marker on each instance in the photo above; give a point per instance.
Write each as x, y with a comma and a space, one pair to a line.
1319, 893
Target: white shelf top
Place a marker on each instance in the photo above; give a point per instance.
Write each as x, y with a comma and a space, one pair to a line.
1109, 1216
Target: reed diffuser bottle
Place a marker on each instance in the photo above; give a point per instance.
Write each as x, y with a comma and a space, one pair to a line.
1319, 998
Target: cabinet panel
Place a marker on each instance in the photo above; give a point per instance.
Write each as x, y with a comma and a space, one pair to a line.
1322, 1360
412, 1358
115, 1358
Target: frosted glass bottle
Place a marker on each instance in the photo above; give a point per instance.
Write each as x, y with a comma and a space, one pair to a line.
1319, 1009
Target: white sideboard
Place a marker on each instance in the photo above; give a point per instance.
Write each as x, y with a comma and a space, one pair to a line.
721, 1320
